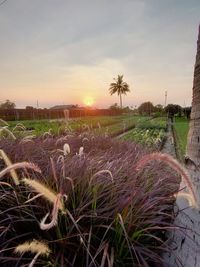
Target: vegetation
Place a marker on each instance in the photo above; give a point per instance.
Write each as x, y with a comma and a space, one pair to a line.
7, 105
120, 87
106, 125
150, 133
39, 127
86, 201
118, 128
146, 108
156, 123
124, 110
173, 109
181, 128
149, 137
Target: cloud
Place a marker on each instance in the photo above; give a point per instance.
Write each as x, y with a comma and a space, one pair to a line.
77, 47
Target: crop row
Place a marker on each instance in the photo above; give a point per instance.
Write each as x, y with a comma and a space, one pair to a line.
120, 127
156, 123
109, 126
56, 127
148, 137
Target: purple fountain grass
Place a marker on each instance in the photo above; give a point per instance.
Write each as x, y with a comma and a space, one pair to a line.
101, 172
54, 215
174, 164
20, 165
91, 223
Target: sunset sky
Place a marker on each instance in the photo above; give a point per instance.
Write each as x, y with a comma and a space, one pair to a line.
68, 51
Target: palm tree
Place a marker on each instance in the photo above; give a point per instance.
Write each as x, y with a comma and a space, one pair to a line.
120, 87
193, 142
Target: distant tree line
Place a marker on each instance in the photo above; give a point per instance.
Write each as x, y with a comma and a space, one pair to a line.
147, 108
7, 105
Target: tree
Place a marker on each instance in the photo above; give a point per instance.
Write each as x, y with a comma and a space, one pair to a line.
29, 108
146, 108
158, 108
173, 109
120, 87
7, 105
193, 141
187, 112
114, 106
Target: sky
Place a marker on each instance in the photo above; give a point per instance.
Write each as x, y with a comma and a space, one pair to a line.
69, 51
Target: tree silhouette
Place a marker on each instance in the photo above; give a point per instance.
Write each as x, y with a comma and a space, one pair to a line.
7, 105
120, 87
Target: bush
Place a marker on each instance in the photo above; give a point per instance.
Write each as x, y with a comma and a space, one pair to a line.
104, 209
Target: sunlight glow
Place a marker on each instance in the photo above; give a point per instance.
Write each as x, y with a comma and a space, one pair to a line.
88, 101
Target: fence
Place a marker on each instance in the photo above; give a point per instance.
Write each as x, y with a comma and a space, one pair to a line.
38, 114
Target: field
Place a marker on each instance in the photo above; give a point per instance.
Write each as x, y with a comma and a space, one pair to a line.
88, 189
110, 126
39, 127
150, 133
181, 127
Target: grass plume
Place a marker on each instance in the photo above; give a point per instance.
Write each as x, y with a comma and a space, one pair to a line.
8, 132
20, 165
34, 247
8, 164
46, 192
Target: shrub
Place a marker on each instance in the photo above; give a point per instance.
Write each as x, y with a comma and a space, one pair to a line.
89, 207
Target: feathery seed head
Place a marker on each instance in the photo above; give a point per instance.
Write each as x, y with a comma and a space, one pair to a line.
44, 190
66, 149
20, 165
4, 122
9, 163
35, 247
4, 129
81, 151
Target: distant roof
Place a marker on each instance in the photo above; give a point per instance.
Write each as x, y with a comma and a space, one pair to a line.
63, 107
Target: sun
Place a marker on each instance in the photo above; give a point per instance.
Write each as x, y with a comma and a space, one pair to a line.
88, 101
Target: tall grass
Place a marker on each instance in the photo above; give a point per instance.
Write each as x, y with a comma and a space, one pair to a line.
98, 211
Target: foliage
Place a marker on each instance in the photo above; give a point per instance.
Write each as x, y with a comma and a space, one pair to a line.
7, 105
158, 108
181, 128
120, 87
173, 109
114, 213
150, 133
124, 125
98, 125
56, 127
149, 137
146, 108
114, 106
155, 123
187, 112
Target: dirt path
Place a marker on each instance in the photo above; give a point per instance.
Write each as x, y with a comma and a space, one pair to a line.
169, 146
186, 243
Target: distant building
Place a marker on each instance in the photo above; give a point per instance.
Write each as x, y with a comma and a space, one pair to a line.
64, 107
